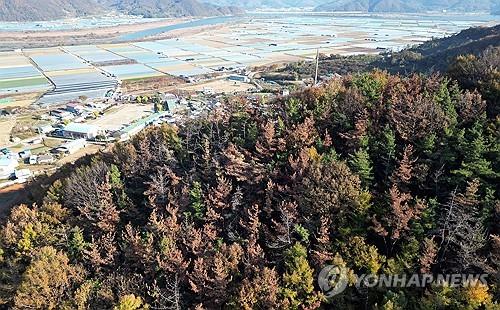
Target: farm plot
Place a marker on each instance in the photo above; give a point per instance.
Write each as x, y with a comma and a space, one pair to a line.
71, 84
18, 75
133, 71
94, 54
58, 61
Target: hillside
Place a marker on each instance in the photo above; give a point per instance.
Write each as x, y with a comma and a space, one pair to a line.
27, 10
269, 3
407, 6
168, 8
437, 55
244, 207
402, 6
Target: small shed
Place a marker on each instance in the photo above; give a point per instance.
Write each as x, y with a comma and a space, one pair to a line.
25, 154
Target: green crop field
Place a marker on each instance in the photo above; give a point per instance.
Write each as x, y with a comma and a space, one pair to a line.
15, 83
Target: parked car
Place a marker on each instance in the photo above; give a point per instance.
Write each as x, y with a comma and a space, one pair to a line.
57, 133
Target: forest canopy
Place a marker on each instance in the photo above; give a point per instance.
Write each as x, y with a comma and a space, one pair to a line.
377, 173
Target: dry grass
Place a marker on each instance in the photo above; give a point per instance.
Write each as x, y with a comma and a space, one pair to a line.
19, 100
156, 84
122, 115
220, 86
6, 126
90, 149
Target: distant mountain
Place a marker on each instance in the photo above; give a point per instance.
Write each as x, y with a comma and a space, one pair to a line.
29, 10
403, 6
269, 3
410, 6
35, 10
168, 8
366, 6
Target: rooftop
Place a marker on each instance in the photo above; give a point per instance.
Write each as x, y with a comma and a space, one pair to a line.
74, 143
81, 128
144, 121
6, 161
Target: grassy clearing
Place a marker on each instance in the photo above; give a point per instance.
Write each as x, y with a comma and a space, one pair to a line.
52, 143
25, 126
40, 150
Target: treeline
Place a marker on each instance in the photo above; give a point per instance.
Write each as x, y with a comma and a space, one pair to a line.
377, 173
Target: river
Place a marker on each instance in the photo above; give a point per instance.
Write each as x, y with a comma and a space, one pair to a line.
195, 23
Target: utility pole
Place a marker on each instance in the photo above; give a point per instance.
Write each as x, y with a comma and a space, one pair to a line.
317, 67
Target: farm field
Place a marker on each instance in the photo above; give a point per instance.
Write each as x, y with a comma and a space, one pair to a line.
22, 82
94, 69
18, 74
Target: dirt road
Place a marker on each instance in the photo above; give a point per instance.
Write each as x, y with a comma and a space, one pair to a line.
9, 197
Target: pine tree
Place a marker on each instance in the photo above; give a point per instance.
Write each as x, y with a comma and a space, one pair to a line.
196, 198
383, 151
402, 210
403, 175
55, 193
362, 165
77, 243
474, 148
429, 255
101, 214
